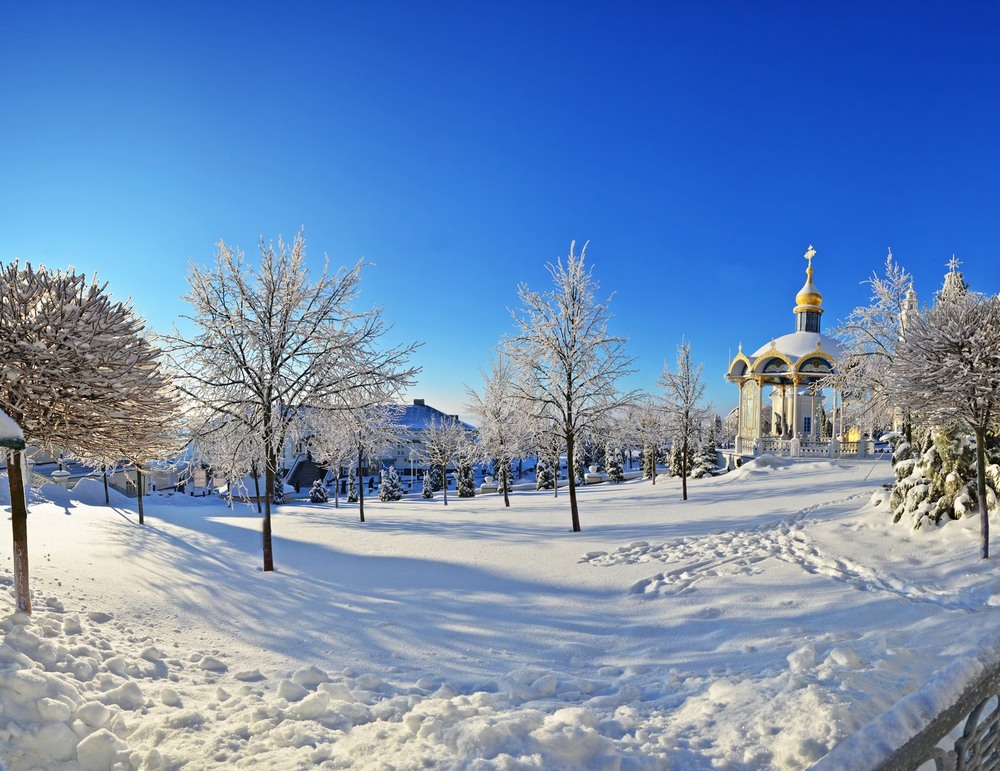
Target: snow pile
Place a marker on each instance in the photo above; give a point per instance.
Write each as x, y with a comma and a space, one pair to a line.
87, 689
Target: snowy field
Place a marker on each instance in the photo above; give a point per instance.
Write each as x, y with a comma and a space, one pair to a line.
754, 626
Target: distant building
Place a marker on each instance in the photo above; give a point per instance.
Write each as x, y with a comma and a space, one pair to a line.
414, 419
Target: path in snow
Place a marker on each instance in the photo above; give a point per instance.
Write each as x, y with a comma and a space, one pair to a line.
741, 553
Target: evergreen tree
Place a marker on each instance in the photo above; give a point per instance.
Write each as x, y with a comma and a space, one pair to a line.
466, 484
704, 460
583, 459
317, 493
436, 479
939, 482
503, 475
613, 464
945, 373
278, 493
545, 476
428, 487
676, 460
390, 489
682, 397
648, 462
352, 487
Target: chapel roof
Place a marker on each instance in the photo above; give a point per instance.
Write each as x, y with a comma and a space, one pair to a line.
795, 345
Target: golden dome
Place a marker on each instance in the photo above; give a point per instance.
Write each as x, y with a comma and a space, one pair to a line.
809, 297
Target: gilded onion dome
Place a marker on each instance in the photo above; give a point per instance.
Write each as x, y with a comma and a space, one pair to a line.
809, 298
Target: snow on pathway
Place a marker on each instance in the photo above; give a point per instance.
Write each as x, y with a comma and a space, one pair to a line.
753, 626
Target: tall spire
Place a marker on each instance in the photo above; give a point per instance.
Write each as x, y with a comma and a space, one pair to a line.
808, 302
954, 282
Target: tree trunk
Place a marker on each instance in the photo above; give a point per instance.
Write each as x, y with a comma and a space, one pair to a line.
555, 476
107, 493
336, 489
256, 486
269, 465
984, 519
19, 524
571, 475
444, 481
684, 471
506, 497
361, 488
138, 487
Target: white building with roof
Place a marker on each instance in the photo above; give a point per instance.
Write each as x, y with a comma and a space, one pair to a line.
789, 372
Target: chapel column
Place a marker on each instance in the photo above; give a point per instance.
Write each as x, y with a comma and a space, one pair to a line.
795, 406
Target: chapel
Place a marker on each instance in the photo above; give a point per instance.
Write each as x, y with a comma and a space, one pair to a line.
788, 372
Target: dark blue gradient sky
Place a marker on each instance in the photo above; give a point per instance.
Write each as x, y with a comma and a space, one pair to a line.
459, 146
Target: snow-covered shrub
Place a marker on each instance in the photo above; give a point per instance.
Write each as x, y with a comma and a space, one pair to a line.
352, 487
317, 493
428, 488
391, 489
278, 493
437, 481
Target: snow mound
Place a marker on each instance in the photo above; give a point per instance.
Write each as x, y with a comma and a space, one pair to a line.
91, 492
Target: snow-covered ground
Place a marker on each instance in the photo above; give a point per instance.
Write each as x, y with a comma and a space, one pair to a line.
753, 626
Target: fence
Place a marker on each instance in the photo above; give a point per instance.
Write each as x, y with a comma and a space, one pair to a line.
953, 733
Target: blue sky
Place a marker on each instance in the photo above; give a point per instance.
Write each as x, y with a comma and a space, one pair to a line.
699, 147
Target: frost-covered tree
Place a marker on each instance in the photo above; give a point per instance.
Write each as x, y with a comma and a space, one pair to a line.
870, 335
683, 390
373, 428
648, 423
80, 375
317, 493
567, 360
147, 438
332, 442
268, 341
505, 428
444, 440
947, 372
613, 464
390, 489
224, 445
427, 488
